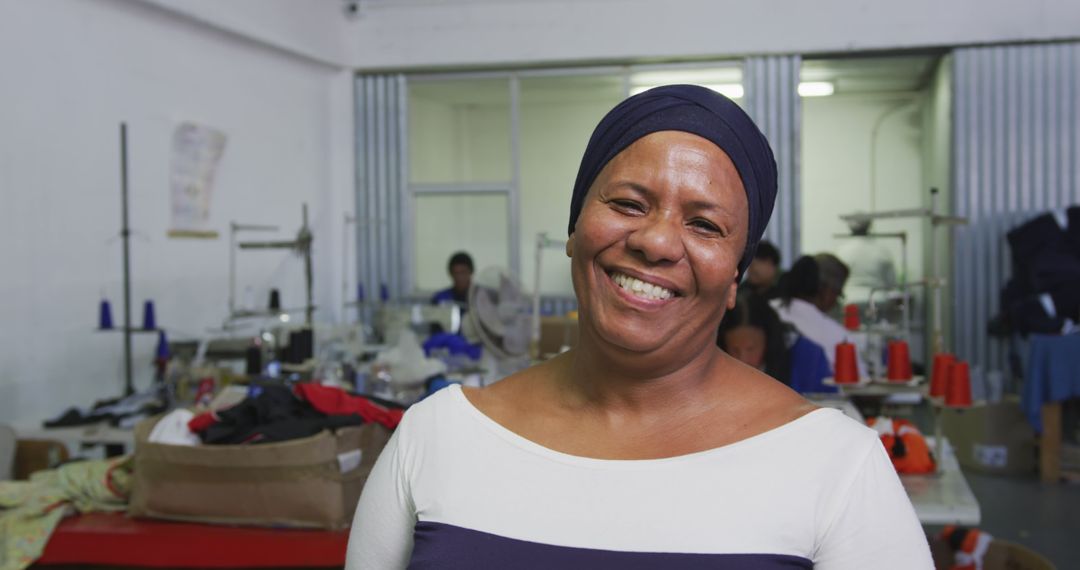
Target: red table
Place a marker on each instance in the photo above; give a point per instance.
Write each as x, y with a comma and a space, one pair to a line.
116, 540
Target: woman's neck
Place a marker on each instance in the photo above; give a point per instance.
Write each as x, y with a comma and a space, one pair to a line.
601, 376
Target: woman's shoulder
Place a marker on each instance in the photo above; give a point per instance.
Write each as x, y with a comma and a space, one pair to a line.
441, 410
777, 405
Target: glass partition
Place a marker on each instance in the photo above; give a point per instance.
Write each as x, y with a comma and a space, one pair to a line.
459, 131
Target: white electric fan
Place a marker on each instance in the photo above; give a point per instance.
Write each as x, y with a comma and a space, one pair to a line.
500, 318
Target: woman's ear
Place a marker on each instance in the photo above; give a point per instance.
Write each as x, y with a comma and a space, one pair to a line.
570, 246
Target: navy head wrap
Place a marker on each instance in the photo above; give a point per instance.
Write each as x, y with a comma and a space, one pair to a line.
695, 110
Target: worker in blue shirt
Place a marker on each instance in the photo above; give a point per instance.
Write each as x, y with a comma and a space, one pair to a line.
460, 268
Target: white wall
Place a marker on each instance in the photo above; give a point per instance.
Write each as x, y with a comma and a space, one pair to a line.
73, 70
313, 29
426, 33
837, 173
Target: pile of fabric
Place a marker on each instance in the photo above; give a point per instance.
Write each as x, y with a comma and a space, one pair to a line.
906, 446
30, 510
969, 546
276, 413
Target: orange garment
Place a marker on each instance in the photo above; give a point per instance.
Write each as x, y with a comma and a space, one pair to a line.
969, 546
905, 444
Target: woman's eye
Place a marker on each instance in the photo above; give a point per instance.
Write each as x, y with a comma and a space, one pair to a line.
628, 205
705, 225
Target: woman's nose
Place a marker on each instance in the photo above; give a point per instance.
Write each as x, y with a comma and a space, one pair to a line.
658, 238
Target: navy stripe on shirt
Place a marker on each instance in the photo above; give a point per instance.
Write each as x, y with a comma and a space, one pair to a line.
448, 547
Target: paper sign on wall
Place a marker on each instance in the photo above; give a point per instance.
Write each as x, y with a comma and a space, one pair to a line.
196, 151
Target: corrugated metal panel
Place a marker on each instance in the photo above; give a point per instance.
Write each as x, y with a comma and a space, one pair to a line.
1015, 128
772, 99
381, 174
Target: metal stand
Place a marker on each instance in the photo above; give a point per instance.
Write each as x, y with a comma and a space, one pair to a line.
125, 238
933, 280
302, 246
235, 228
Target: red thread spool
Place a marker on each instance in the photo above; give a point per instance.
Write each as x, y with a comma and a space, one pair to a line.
851, 317
958, 391
899, 361
939, 380
847, 371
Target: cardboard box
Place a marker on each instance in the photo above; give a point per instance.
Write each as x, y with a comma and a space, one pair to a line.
1001, 555
33, 455
312, 482
557, 332
991, 438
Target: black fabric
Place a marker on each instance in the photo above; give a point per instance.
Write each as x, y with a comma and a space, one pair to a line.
696, 110
114, 411
276, 414
1046, 260
1073, 233
300, 348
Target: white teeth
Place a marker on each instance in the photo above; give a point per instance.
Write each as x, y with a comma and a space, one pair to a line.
641, 288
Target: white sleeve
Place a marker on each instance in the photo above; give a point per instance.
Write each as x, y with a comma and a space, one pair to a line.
875, 525
382, 529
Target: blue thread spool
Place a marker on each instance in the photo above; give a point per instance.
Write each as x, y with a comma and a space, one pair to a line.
148, 321
105, 316
384, 293
360, 293
162, 350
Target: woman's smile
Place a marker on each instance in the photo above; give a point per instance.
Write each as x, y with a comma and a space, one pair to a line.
642, 289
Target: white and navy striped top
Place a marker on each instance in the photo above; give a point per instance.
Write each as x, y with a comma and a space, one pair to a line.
454, 490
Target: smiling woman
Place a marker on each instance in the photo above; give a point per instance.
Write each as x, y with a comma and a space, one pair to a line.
646, 446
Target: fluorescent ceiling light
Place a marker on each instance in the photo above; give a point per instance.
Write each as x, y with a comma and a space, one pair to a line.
720, 80
699, 76
816, 88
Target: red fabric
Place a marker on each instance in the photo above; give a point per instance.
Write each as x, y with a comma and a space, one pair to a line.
112, 539
202, 421
336, 402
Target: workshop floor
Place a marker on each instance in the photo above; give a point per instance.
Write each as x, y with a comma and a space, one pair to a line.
1043, 517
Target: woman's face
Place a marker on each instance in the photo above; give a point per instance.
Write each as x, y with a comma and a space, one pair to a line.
656, 248
746, 344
